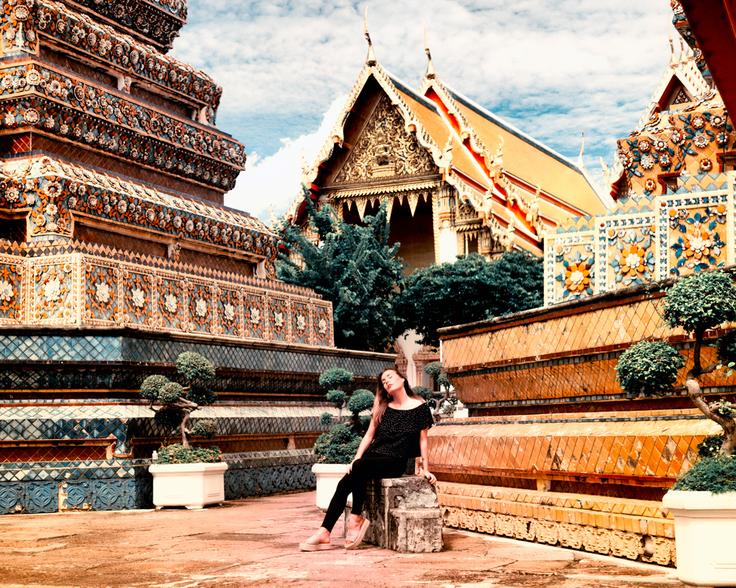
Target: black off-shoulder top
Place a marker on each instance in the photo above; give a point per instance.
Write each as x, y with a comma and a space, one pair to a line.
397, 435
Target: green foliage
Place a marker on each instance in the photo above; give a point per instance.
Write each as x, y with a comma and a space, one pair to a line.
335, 378
179, 454
151, 386
433, 369
325, 419
726, 348
170, 393
710, 474
424, 392
337, 397
701, 301
360, 400
204, 428
439, 374
338, 445
710, 446
198, 374
168, 418
649, 368
352, 266
470, 289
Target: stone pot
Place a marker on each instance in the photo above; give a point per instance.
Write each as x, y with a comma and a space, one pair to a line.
188, 484
705, 525
328, 475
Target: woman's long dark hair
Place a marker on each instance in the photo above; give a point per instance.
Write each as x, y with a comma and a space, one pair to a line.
383, 397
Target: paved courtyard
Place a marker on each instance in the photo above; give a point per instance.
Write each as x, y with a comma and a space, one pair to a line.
253, 542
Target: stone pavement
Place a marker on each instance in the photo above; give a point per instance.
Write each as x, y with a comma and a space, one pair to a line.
253, 542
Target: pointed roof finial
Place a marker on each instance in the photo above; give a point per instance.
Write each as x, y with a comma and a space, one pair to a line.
371, 57
430, 73
582, 149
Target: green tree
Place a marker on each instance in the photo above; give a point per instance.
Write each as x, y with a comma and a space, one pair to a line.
174, 401
696, 303
470, 289
352, 266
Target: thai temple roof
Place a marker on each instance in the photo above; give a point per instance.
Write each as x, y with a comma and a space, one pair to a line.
493, 165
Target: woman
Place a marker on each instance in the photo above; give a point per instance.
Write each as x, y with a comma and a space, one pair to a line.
397, 432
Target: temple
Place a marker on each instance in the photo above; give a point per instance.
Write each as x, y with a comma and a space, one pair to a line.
117, 254
672, 185
554, 451
455, 178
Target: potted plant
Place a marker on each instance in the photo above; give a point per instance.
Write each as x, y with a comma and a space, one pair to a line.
336, 448
447, 402
183, 475
704, 500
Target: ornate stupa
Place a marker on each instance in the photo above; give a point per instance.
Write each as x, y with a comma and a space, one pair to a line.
116, 254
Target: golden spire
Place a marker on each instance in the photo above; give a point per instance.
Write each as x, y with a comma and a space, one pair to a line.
371, 57
429, 74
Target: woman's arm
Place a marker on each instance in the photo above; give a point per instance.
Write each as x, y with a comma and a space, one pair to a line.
425, 462
364, 443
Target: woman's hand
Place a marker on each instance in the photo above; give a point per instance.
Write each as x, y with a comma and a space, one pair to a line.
429, 476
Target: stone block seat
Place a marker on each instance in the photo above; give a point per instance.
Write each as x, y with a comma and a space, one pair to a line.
405, 515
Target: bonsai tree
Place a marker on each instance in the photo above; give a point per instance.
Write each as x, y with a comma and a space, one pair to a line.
696, 303
173, 401
339, 444
447, 401
333, 380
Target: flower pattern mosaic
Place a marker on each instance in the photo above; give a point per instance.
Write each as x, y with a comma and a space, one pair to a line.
85, 290
574, 267
648, 238
55, 102
673, 144
11, 290
696, 236
55, 191
55, 20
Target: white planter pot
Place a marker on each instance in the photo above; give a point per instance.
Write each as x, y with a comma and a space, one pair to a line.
328, 475
188, 484
705, 525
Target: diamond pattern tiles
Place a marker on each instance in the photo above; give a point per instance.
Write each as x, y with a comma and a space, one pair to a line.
586, 377
568, 353
124, 484
639, 450
583, 327
101, 348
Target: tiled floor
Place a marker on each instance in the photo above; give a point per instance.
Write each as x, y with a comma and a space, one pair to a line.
254, 543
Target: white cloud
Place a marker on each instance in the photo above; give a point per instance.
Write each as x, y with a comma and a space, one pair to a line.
555, 68
269, 184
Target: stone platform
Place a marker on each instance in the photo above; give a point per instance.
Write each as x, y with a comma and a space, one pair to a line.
553, 450
254, 542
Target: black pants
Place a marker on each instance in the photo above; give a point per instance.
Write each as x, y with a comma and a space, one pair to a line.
367, 468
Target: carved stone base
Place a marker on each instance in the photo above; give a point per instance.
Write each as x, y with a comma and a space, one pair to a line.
659, 550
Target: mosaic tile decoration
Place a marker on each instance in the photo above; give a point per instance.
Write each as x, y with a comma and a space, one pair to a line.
84, 290
125, 484
121, 348
647, 238
636, 451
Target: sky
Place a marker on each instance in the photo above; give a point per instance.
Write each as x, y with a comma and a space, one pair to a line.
556, 69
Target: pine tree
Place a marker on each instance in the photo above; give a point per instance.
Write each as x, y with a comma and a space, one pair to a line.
352, 266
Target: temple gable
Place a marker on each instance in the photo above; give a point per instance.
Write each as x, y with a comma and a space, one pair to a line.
384, 149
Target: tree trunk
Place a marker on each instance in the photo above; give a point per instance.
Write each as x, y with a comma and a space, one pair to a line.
183, 428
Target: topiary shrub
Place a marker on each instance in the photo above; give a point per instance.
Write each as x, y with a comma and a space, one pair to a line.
340, 443
711, 474
649, 368
445, 405
177, 453
696, 303
174, 400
